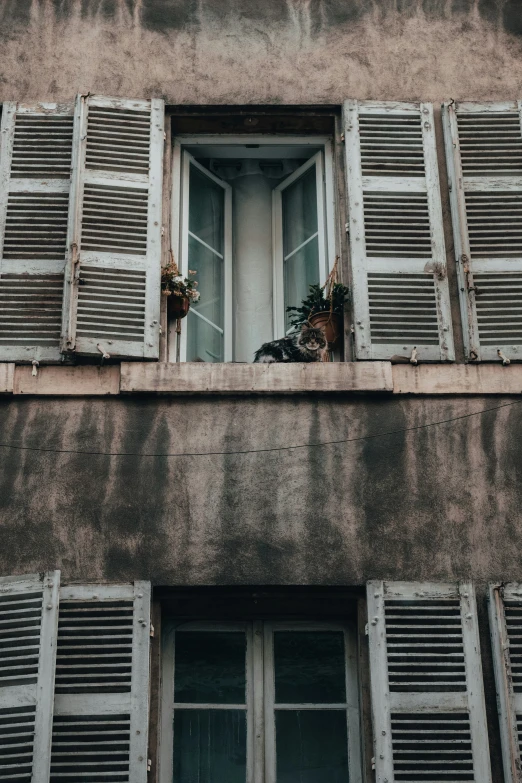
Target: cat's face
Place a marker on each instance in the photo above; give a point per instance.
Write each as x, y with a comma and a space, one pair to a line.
312, 340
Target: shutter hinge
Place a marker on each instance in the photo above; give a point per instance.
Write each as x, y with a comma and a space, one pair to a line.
149, 764
366, 629
347, 227
151, 631
342, 137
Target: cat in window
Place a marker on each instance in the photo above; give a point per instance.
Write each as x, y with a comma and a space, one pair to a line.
308, 345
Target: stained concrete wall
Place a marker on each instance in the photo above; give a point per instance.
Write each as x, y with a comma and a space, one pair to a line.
274, 51
440, 502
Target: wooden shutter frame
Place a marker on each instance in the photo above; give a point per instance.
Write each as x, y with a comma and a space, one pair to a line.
40, 184
507, 699
383, 701
152, 259
356, 228
42, 697
474, 351
136, 702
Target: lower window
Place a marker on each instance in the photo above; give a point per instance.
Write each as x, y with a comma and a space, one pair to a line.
260, 702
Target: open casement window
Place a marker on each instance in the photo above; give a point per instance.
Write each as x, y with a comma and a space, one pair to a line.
28, 626
207, 250
398, 263
101, 704
35, 176
299, 238
505, 613
484, 157
428, 707
112, 292
259, 702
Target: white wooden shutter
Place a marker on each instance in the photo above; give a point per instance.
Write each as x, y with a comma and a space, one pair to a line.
28, 624
35, 174
113, 297
426, 681
505, 612
398, 262
484, 157
101, 704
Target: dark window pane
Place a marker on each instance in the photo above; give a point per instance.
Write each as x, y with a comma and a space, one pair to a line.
209, 746
309, 667
301, 271
206, 209
311, 746
210, 667
299, 211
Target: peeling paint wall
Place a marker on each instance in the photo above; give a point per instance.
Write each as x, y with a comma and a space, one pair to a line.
441, 502
275, 51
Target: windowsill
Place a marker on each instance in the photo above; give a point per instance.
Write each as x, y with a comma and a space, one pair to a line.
198, 378
187, 378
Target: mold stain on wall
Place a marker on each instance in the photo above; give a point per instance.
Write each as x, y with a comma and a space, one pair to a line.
244, 51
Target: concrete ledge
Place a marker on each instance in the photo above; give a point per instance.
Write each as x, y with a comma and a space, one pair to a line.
237, 378
6, 377
67, 381
457, 379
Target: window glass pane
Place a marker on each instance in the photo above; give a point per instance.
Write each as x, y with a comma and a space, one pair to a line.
309, 667
311, 746
209, 746
205, 335
301, 270
206, 209
299, 211
210, 667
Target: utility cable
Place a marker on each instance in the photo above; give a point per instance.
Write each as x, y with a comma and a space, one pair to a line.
263, 450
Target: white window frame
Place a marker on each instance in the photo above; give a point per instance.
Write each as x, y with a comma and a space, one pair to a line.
178, 205
277, 236
260, 697
188, 161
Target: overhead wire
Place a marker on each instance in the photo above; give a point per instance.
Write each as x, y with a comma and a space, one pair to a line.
265, 450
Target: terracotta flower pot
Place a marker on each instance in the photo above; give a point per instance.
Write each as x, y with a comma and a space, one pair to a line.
177, 306
330, 323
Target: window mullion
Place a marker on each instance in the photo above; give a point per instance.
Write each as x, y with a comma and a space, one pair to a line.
256, 714
269, 701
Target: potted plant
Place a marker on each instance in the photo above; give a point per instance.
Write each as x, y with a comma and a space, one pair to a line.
323, 308
181, 291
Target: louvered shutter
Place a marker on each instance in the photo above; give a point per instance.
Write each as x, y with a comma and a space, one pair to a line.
35, 175
102, 681
484, 156
426, 682
505, 612
398, 263
113, 297
28, 623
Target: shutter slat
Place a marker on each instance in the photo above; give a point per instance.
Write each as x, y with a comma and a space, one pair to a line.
484, 158
35, 171
101, 693
505, 616
395, 229
27, 679
426, 683
117, 229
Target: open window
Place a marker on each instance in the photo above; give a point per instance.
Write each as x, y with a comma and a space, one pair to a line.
254, 220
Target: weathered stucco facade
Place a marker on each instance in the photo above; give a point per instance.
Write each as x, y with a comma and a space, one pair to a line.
278, 51
267, 490
440, 502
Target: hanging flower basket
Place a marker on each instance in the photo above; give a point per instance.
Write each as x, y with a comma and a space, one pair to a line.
330, 323
177, 306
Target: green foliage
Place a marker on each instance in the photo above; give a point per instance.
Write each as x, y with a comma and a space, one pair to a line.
317, 302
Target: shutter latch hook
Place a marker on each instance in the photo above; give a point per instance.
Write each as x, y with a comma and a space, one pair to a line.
104, 353
413, 357
505, 360
35, 364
